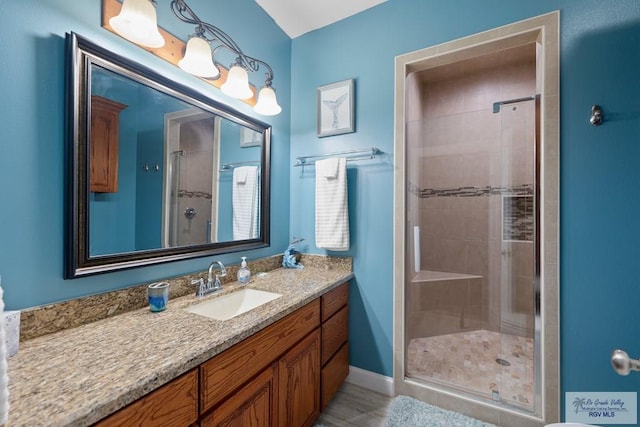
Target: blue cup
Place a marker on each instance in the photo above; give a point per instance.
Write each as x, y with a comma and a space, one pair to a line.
158, 294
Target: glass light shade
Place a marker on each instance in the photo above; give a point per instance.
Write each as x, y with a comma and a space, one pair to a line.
267, 104
137, 22
197, 59
237, 84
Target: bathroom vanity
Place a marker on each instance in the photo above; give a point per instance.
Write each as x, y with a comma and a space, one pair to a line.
278, 364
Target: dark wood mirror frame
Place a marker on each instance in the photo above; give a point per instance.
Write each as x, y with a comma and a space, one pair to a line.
80, 54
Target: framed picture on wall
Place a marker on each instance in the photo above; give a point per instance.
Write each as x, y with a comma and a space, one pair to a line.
249, 137
336, 108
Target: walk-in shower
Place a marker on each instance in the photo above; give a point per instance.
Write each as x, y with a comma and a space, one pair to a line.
472, 236
470, 313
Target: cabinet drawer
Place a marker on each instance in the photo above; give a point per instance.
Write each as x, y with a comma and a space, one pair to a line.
333, 375
224, 373
173, 404
335, 332
333, 300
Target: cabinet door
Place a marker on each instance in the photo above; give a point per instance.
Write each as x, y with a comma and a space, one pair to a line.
104, 145
254, 405
299, 376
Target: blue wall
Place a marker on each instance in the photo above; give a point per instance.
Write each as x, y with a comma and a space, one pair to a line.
32, 123
600, 202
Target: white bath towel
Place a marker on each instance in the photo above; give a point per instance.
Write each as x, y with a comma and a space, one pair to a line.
245, 202
332, 213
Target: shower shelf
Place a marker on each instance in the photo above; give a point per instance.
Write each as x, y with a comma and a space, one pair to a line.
438, 276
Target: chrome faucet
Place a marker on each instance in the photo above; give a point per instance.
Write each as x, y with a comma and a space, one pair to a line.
212, 285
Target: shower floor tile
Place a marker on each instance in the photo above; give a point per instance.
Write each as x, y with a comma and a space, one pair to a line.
480, 362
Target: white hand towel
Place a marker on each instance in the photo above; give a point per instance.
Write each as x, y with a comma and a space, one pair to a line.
245, 203
332, 213
240, 175
328, 168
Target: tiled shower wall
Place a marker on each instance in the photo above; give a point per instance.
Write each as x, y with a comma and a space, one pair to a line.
458, 179
196, 178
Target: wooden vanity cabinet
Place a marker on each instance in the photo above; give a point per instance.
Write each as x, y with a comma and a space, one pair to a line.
235, 383
104, 145
280, 376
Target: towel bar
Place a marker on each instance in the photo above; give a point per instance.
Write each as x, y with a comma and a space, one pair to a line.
362, 154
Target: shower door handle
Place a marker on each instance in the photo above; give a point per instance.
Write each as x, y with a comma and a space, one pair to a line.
622, 363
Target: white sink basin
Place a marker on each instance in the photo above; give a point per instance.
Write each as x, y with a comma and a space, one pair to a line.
231, 305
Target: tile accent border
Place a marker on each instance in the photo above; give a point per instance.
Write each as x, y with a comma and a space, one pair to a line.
487, 190
51, 318
194, 194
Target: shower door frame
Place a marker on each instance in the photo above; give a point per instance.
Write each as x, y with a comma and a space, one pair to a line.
544, 31
172, 124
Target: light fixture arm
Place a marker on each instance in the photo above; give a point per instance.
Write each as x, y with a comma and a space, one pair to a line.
213, 34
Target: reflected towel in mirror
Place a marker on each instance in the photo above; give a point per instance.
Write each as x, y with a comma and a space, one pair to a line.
245, 202
240, 175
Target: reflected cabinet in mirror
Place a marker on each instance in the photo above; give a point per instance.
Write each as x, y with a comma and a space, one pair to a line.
157, 171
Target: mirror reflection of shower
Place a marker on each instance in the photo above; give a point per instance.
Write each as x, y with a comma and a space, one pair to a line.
191, 183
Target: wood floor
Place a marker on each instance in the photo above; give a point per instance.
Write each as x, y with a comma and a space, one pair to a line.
355, 406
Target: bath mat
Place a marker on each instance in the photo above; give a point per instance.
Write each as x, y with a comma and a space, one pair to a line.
406, 411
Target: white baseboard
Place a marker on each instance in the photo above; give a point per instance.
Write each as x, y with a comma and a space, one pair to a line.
370, 380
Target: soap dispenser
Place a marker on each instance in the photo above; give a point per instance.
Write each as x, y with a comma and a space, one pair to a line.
243, 272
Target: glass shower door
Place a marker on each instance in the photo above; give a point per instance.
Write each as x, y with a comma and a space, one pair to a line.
518, 247
471, 271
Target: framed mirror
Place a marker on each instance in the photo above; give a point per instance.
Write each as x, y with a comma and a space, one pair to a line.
157, 171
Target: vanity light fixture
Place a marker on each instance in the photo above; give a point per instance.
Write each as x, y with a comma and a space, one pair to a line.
138, 23
200, 51
237, 84
197, 59
267, 104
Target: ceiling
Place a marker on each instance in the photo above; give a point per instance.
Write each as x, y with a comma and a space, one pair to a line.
297, 17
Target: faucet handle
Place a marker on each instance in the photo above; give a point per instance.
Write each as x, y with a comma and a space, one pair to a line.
200, 290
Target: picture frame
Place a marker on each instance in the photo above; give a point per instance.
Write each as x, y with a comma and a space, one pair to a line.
249, 137
335, 108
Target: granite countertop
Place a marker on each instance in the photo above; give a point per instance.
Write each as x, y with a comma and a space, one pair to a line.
80, 375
